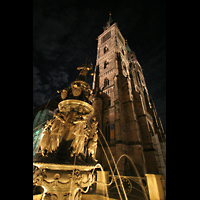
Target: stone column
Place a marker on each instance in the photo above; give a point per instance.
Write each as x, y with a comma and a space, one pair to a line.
155, 187
102, 176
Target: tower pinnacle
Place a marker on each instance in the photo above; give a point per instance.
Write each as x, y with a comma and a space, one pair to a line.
108, 23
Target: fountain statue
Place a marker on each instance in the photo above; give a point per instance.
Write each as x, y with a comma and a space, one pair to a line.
66, 155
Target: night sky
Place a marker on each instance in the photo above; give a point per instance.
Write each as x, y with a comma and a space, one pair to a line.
65, 33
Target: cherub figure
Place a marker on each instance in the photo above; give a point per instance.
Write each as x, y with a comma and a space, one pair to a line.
92, 145
52, 133
81, 134
45, 141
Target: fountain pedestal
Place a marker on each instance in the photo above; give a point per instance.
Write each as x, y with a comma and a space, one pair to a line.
63, 182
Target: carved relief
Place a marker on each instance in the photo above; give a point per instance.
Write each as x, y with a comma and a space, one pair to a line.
72, 186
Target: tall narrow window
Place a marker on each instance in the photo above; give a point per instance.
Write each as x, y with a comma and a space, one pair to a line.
105, 49
107, 132
105, 64
106, 82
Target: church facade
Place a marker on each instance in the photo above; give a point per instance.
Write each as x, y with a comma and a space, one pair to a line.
126, 113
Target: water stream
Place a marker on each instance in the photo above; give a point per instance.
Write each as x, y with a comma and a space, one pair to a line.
138, 175
121, 183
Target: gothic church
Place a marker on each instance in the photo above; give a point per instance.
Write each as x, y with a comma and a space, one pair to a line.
126, 113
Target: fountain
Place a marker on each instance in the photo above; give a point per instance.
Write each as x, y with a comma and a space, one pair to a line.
64, 156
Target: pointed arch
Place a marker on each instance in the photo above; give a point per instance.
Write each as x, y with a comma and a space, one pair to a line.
105, 64
105, 49
106, 82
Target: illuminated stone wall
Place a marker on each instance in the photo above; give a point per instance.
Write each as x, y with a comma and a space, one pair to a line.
126, 104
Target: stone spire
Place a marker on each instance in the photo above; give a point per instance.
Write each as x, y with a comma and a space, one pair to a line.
108, 23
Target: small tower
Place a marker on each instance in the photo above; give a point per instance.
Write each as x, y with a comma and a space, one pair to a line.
123, 106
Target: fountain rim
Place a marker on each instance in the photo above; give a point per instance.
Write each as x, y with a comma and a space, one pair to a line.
54, 166
77, 103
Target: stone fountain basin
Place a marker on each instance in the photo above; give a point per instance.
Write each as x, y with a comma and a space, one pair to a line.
63, 179
75, 105
60, 171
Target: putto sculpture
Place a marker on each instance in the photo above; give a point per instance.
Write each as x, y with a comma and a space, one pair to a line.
92, 145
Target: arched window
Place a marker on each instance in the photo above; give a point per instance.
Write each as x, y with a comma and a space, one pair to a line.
106, 82
105, 49
105, 64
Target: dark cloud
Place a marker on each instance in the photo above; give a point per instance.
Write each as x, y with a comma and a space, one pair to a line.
65, 32
58, 78
36, 79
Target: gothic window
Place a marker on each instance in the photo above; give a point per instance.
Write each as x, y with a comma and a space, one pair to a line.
131, 76
106, 82
105, 37
107, 132
105, 49
105, 64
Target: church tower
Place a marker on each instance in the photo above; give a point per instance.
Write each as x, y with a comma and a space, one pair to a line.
125, 111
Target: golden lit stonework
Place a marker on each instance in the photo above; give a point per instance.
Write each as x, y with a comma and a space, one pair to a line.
66, 155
